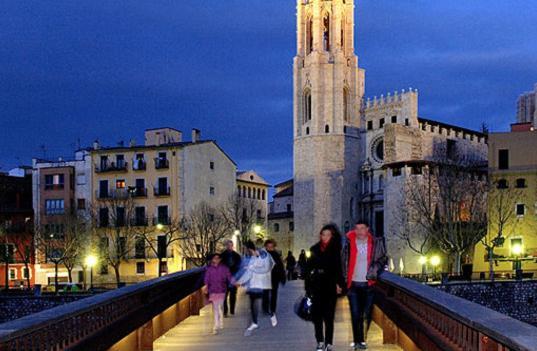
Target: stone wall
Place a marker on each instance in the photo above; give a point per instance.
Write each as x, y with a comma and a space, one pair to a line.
515, 299
15, 307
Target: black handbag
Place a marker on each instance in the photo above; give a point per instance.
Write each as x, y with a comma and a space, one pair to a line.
303, 308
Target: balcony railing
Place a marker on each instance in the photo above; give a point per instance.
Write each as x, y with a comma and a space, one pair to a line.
112, 194
138, 192
162, 163
54, 186
101, 321
139, 222
54, 211
161, 220
164, 191
111, 167
434, 320
139, 165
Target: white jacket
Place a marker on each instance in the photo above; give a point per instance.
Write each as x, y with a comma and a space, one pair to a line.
258, 272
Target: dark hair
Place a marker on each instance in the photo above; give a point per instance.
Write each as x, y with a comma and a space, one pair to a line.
361, 221
270, 241
250, 245
289, 253
335, 242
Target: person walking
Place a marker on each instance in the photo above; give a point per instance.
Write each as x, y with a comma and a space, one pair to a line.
324, 280
217, 279
364, 260
256, 279
233, 261
270, 297
290, 265
302, 258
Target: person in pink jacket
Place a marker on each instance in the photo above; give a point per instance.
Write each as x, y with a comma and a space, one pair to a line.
217, 279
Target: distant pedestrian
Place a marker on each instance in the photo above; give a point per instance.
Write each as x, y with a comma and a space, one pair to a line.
302, 258
290, 265
217, 279
364, 259
324, 281
256, 278
270, 297
233, 261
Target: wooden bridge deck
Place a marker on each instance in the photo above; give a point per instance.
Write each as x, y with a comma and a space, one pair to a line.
291, 333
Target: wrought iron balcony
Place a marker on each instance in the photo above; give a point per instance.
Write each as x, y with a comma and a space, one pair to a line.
139, 222
111, 167
164, 191
162, 163
139, 165
138, 192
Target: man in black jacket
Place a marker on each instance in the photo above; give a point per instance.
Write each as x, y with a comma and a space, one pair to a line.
270, 297
233, 261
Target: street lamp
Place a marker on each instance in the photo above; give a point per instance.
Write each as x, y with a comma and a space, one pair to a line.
90, 262
423, 262
160, 226
257, 229
435, 262
517, 250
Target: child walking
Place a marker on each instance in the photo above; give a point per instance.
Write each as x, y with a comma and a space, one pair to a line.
217, 279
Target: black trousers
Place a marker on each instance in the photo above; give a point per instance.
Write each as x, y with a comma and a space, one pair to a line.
232, 294
270, 299
291, 274
361, 304
254, 305
324, 311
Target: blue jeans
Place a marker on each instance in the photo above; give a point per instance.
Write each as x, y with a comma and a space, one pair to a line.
361, 303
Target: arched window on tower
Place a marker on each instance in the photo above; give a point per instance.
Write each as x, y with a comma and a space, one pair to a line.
307, 106
346, 109
327, 128
326, 32
309, 35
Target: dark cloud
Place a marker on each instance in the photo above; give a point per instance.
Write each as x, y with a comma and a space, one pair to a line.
109, 69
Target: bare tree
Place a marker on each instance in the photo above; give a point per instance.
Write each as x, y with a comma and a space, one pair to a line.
502, 217
25, 248
203, 232
6, 255
171, 233
448, 204
113, 221
240, 213
60, 243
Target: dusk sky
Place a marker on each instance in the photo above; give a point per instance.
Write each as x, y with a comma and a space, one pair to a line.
75, 71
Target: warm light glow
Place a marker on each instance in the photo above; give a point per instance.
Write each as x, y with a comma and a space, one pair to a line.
91, 261
160, 226
308, 254
435, 260
257, 229
237, 232
422, 260
516, 249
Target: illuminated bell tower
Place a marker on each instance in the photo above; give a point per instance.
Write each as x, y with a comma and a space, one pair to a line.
328, 88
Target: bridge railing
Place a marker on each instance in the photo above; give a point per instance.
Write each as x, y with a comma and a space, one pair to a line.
419, 317
128, 319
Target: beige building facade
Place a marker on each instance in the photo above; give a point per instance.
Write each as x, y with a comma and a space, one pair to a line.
513, 170
281, 225
166, 178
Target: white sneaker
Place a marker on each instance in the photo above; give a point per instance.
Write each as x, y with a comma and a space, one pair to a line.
274, 320
215, 331
320, 346
250, 329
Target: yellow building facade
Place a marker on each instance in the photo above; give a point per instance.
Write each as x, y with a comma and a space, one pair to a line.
512, 201
154, 186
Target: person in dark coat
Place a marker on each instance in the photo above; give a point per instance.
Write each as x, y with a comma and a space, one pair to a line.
232, 260
290, 265
302, 263
270, 297
324, 280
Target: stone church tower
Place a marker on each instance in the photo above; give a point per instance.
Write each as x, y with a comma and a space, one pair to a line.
328, 89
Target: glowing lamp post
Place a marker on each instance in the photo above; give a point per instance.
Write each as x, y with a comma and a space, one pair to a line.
257, 229
423, 262
516, 251
91, 261
435, 262
160, 226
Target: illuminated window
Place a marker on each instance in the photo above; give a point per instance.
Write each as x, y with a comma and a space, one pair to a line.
120, 184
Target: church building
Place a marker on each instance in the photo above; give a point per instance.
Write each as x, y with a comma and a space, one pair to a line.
352, 154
